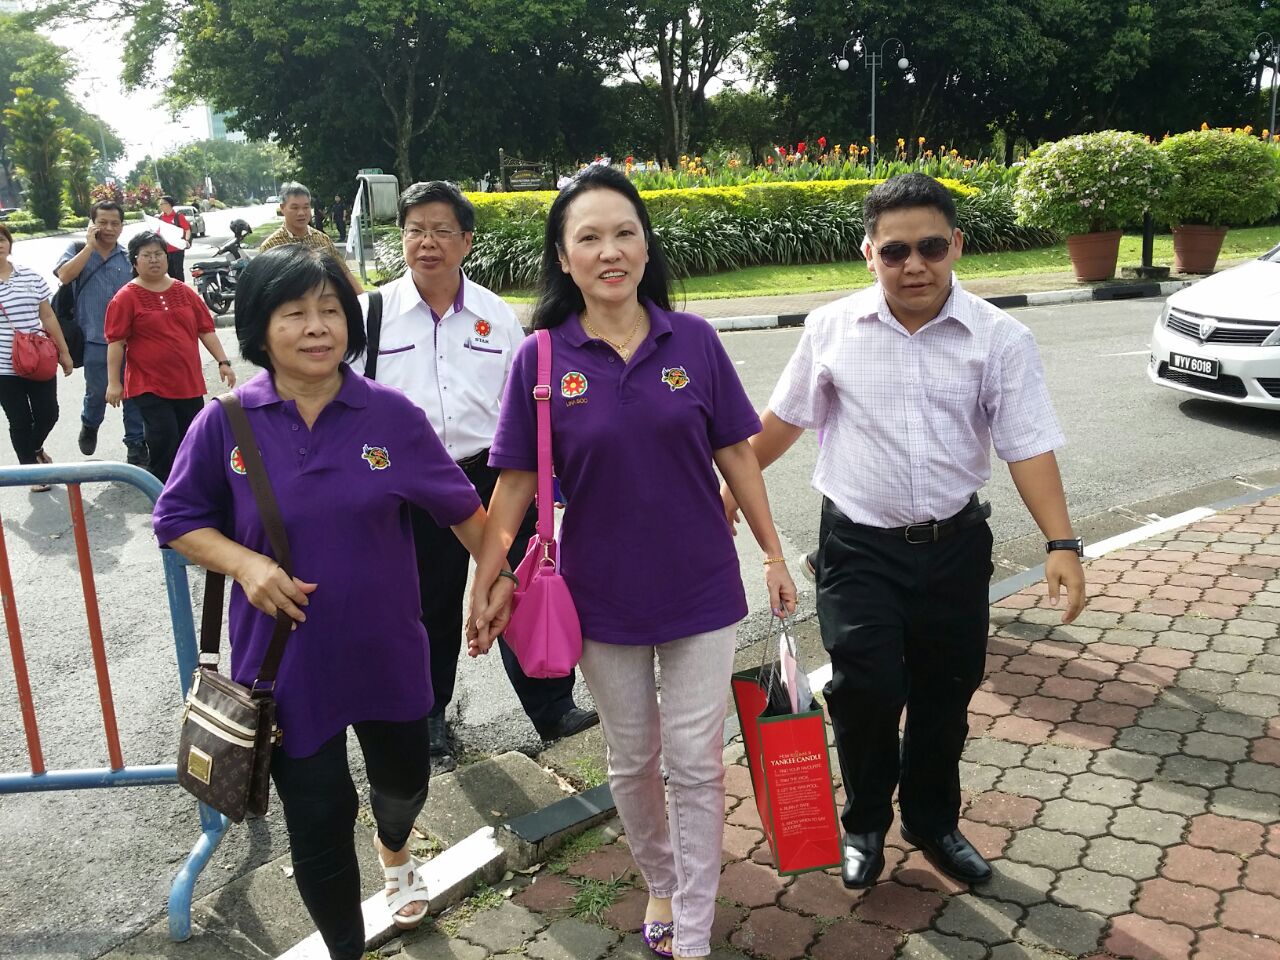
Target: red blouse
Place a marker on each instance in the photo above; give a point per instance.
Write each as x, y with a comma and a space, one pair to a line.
160, 333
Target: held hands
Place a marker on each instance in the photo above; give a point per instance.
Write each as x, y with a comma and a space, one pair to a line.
1062, 569
782, 589
114, 392
271, 590
489, 615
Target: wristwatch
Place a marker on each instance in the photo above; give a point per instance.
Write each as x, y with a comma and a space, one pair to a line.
1076, 546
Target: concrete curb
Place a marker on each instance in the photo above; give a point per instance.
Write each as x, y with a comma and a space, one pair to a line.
1119, 291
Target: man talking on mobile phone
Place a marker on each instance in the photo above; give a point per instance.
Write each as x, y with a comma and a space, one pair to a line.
97, 268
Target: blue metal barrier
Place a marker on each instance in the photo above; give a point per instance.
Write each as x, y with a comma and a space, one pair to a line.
212, 824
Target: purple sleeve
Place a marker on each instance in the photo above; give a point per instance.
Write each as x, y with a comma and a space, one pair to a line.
733, 418
436, 483
515, 444
197, 494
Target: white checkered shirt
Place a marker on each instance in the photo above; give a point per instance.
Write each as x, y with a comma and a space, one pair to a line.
907, 422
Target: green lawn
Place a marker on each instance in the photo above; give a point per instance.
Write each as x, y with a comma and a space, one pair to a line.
847, 275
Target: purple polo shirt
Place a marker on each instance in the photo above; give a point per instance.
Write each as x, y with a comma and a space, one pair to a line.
645, 548
342, 487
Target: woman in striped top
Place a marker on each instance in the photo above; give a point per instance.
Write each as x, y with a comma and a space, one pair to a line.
31, 406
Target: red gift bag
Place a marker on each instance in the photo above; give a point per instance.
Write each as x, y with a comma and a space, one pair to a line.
790, 772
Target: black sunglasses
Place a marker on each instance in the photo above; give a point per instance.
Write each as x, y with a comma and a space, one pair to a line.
933, 249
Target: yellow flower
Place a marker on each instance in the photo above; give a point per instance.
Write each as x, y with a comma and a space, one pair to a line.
954, 154
872, 138
864, 151
1248, 128
920, 141
1204, 125
901, 142
1266, 134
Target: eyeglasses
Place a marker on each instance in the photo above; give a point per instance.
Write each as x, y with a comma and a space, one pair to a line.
153, 255
933, 249
441, 234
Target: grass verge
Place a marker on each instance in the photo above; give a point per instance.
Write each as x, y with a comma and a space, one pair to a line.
261, 233
851, 275
575, 850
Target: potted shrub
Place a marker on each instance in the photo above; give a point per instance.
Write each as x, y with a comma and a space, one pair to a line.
1221, 180
1089, 187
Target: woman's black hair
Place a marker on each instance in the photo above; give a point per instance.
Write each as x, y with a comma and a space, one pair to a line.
145, 238
287, 273
558, 295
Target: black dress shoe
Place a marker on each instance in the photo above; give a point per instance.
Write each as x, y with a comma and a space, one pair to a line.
442, 758
574, 720
953, 855
862, 859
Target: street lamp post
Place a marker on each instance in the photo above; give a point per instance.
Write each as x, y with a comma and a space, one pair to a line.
873, 60
1255, 55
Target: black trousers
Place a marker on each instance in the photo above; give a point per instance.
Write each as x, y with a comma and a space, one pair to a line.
320, 806
177, 262
31, 407
905, 626
165, 423
443, 563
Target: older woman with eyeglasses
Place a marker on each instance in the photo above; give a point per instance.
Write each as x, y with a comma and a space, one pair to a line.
155, 323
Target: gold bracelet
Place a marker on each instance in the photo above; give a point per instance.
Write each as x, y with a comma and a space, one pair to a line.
769, 560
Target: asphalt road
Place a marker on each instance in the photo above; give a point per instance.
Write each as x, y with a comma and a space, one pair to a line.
81, 871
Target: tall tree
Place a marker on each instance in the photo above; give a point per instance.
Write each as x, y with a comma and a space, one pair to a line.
79, 156
688, 45
36, 137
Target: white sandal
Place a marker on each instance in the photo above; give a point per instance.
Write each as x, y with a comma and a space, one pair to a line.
403, 889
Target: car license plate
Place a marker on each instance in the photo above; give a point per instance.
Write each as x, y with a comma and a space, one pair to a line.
1196, 366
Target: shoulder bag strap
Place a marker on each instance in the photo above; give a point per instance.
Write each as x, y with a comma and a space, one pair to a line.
542, 398
78, 283
373, 333
269, 509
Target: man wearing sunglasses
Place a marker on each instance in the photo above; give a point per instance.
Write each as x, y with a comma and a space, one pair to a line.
910, 383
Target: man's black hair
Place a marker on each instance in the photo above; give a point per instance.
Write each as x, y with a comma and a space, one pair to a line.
287, 273
437, 191
903, 192
106, 205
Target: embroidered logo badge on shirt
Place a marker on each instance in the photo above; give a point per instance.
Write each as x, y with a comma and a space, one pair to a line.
377, 457
573, 384
236, 461
675, 378
482, 328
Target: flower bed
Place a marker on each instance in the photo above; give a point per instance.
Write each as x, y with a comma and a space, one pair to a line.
711, 230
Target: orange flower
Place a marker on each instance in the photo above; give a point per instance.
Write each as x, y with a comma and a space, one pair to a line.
1204, 125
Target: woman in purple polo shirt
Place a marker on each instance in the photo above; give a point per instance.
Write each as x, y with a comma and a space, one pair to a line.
646, 405
344, 456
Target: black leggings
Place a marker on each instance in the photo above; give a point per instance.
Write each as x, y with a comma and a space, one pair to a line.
165, 423
32, 409
319, 801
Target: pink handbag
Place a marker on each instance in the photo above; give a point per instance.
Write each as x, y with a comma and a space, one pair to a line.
544, 632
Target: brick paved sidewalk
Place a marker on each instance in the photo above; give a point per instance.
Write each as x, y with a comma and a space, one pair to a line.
1122, 773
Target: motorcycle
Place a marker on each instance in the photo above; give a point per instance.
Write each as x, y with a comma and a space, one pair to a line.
215, 280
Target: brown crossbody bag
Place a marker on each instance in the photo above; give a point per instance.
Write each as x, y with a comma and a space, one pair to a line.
228, 729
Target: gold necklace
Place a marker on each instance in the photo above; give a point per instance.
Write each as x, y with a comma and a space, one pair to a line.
620, 348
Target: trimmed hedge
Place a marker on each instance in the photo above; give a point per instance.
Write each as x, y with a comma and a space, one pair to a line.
715, 229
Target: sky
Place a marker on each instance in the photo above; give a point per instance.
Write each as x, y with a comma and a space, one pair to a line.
138, 118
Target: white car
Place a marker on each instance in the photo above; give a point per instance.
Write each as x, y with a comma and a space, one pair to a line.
1220, 337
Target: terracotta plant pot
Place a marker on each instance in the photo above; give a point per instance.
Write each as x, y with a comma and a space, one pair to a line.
1196, 248
1094, 255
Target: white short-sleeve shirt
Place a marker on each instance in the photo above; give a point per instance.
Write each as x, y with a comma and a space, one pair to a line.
455, 367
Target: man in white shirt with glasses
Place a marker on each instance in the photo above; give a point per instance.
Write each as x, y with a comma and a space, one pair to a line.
448, 344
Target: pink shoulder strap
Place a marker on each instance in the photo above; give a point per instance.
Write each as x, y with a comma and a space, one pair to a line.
542, 398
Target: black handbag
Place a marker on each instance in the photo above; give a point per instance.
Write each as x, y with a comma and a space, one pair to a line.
64, 308
228, 729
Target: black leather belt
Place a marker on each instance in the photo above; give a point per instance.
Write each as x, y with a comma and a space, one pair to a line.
974, 513
480, 459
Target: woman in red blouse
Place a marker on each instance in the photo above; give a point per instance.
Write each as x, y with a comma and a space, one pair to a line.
153, 322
